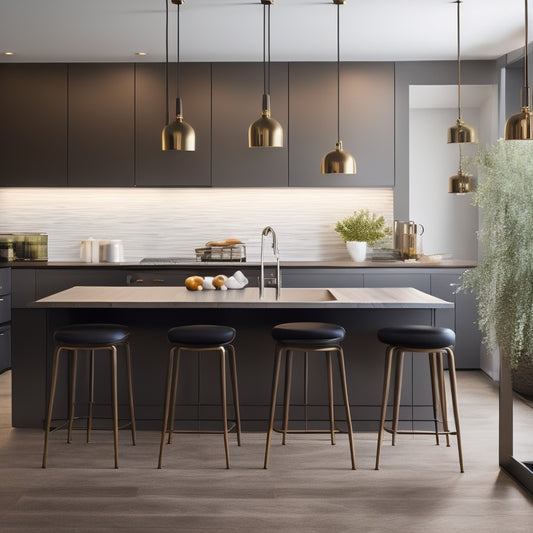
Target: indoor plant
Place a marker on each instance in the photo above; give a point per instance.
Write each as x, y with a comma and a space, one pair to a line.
361, 229
503, 279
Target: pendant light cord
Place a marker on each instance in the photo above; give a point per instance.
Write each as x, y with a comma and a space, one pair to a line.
459, 2
526, 76
178, 52
167, 115
338, 76
268, 46
264, 51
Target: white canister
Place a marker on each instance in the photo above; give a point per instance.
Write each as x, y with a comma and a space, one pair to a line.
112, 251
86, 250
95, 251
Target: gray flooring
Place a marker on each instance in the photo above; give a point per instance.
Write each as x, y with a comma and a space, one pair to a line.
309, 486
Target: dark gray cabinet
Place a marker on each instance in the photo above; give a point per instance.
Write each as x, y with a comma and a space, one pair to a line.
153, 167
5, 319
101, 125
366, 122
33, 128
237, 102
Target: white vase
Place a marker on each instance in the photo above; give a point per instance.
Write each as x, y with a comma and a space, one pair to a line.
357, 250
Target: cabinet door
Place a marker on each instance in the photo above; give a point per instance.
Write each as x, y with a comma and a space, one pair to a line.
321, 277
420, 281
366, 122
172, 168
33, 128
237, 102
101, 125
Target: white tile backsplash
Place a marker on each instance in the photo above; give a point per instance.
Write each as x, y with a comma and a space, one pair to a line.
173, 222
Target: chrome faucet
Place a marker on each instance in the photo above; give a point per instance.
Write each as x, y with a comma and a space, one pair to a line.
266, 232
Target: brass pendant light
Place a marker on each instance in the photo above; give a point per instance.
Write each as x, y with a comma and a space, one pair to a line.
266, 132
460, 132
177, 135
462, 182
338, 161
519, 127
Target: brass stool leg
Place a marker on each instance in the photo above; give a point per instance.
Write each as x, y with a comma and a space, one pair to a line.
330, 398
286, 407
443, 406
55, 366
342, 371
306, 388
432, 371
72, 402
453, 387
170, 372
114, 400
384, 399
174, 389
235, 388
130, 394
223, 401
397, 394
91, 397
275, 379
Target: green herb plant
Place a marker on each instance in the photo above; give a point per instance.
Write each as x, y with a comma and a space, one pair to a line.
363, 226
503, 279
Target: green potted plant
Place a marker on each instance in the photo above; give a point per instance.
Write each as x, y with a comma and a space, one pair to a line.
503, 279
361, 229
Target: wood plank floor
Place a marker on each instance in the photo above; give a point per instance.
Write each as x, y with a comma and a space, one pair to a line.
308, 487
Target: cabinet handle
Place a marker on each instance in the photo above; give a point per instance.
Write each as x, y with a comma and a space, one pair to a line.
455, 284
158, 280
1, 299
2, 334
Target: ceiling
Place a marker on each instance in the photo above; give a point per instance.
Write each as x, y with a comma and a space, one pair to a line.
230, 30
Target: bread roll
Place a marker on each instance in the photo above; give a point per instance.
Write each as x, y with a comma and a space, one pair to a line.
194, 283
227, 242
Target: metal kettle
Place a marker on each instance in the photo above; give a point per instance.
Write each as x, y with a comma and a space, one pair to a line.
408, 239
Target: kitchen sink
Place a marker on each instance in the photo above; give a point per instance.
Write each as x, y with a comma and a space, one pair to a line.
303, 295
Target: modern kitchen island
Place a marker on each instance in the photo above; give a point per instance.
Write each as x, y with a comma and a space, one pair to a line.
151, 311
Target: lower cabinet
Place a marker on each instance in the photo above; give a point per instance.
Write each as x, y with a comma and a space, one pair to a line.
5, 319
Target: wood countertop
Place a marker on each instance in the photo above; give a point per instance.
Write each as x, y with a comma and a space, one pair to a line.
180, 297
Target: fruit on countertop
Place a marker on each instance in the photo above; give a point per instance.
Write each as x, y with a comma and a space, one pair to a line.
194, 283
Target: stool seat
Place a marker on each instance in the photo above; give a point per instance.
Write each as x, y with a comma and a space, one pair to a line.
308, 333
417, 336
91, 334
201, 335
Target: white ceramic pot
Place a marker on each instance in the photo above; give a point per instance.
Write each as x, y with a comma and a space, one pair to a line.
357, 250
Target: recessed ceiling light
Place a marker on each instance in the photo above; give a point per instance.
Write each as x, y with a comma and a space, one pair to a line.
141, 53
9, 53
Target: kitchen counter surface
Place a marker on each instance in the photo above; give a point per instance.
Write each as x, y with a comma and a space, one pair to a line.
449, 263
180, 297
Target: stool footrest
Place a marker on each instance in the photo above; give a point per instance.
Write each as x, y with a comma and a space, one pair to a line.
419, 432
296, 431
204, 431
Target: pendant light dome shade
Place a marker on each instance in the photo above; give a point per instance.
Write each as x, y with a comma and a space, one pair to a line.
338, 161
519, 127
460, 132
461, 183
266, 132
178, 134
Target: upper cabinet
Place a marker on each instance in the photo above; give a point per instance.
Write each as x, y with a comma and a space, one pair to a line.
237, 102
101, 125
155, 167
366, 122
33, 127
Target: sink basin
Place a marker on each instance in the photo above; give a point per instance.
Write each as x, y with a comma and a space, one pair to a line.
305, 295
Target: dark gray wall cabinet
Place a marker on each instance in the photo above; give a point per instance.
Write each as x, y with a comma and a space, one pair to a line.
366, 122
33, 128
101, 125
237, 101
153, 167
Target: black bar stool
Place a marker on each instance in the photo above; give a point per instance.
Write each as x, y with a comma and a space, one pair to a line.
91, 337
420, 339
198, 338
308, 337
